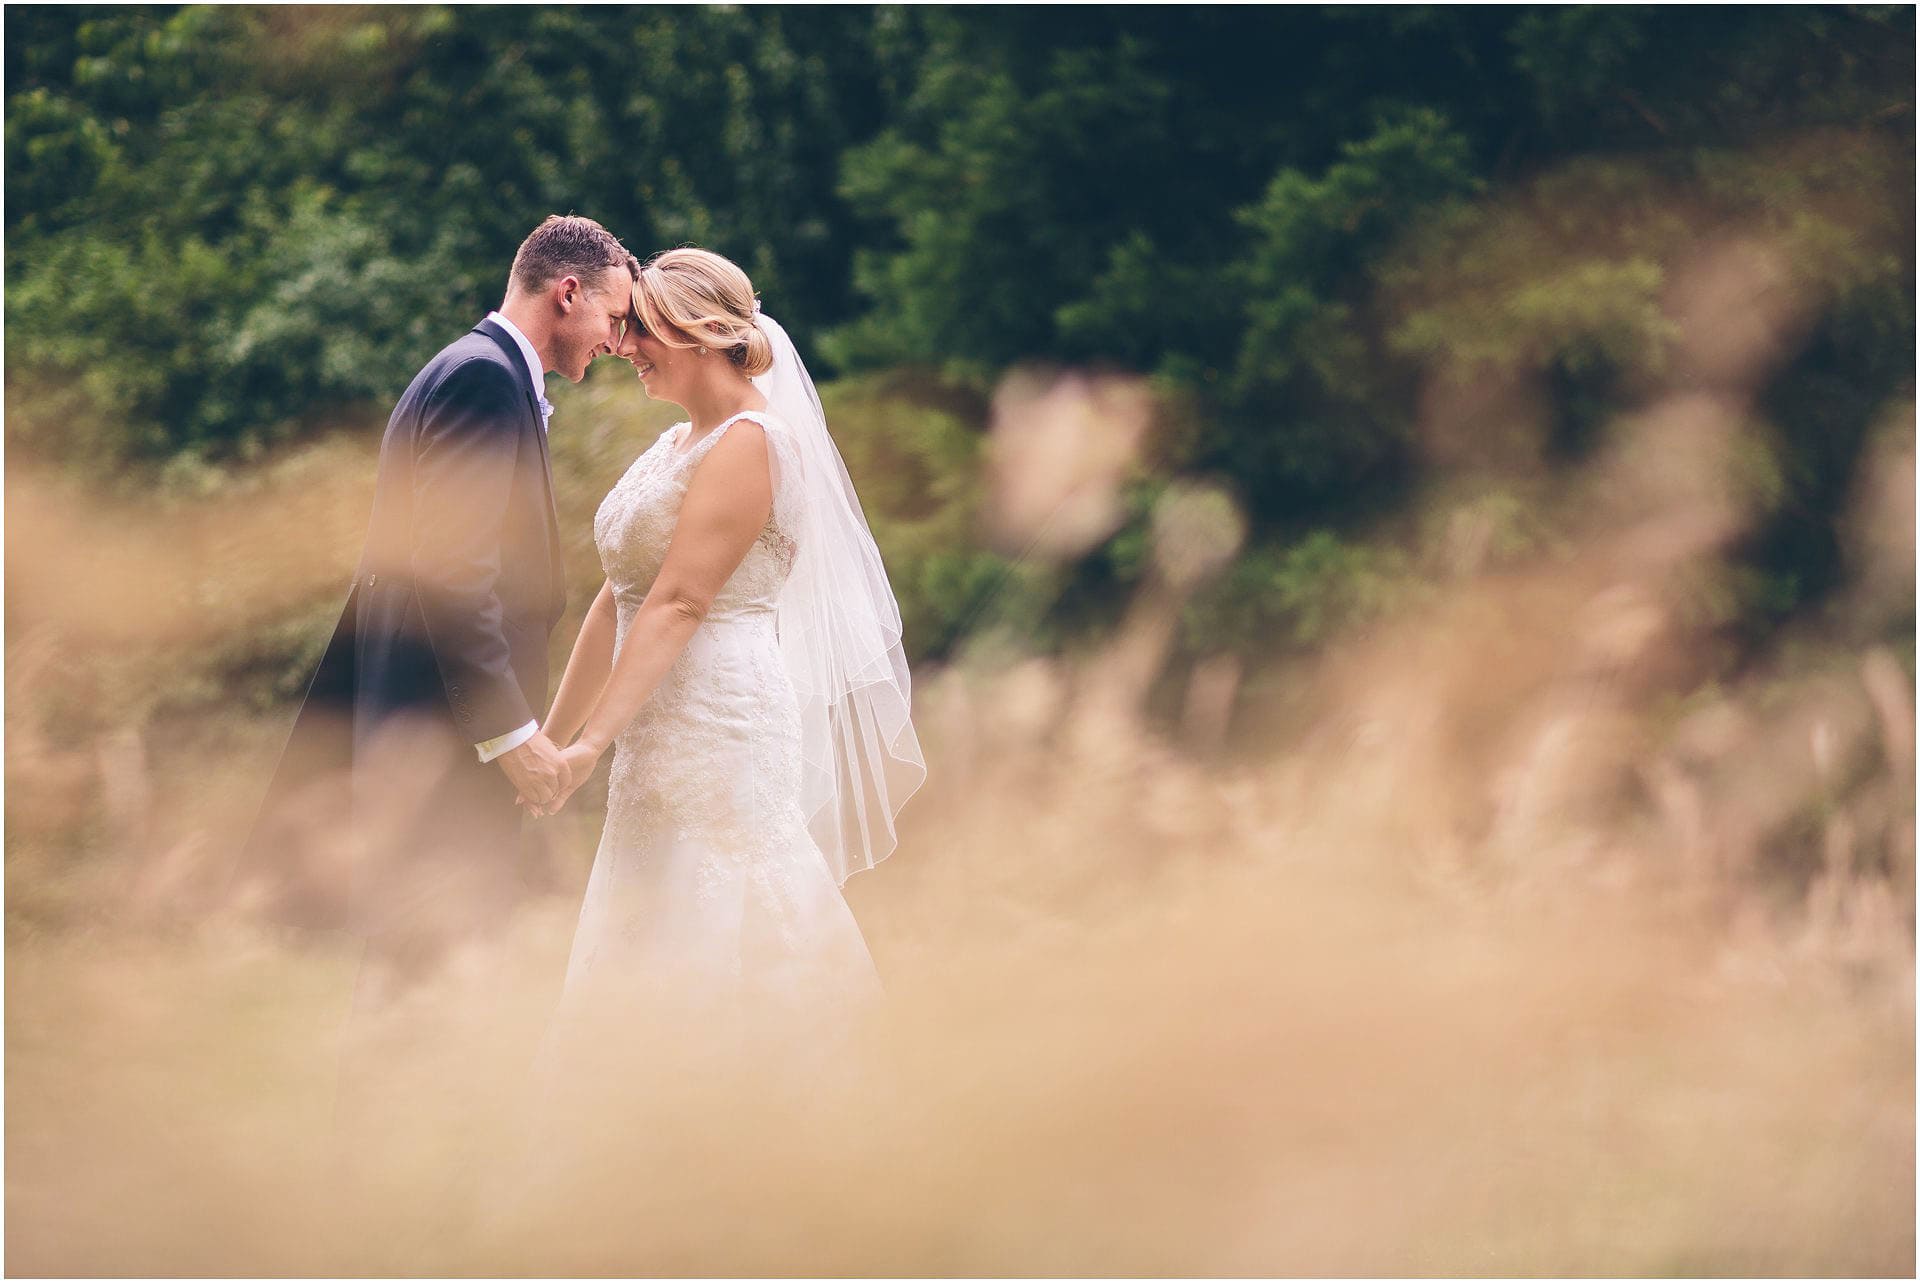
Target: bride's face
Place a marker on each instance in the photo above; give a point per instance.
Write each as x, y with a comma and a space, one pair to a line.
659, 366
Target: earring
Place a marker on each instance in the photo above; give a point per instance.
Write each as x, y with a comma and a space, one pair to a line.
700, 351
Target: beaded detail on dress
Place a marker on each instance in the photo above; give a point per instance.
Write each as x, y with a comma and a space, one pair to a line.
705, 864
635, 522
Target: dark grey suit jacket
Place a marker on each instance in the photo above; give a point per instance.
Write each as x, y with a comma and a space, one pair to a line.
444, 631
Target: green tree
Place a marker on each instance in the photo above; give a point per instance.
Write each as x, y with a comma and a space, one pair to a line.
228, 222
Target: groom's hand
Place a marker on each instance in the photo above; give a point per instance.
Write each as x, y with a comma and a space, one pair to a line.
535, 770
576, 768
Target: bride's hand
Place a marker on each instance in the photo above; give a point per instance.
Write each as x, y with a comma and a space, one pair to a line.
577, 761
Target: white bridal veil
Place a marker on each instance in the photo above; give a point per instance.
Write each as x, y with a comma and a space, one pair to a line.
839, 628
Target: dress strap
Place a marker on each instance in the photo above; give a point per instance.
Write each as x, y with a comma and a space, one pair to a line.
762, 417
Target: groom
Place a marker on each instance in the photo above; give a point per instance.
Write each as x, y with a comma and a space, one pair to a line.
420, 723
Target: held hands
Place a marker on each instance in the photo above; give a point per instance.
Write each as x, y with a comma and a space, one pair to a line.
535, 769
576, 767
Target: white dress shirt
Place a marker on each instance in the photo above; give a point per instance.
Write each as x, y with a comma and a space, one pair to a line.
490, 749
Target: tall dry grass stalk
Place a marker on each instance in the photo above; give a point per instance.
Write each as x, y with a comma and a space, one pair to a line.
1485, 960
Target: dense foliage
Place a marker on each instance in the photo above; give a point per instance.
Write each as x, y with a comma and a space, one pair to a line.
229, 225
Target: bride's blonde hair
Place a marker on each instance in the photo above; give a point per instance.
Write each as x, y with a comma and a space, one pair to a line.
691, 298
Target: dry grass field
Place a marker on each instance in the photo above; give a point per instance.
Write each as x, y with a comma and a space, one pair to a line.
1498, 944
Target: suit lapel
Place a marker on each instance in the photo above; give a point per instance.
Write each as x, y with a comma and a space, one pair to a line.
553, 518
515, 362
506, 344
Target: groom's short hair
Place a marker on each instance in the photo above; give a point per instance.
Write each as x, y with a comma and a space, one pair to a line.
568, 245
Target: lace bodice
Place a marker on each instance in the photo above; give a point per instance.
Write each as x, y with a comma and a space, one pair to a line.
635, 522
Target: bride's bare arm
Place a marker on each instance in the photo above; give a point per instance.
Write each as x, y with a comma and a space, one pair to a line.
587, 670
728, 501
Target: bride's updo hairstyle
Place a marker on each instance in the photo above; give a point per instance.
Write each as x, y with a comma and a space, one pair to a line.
690, 298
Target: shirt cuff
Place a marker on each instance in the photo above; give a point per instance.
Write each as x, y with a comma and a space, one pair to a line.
490, 749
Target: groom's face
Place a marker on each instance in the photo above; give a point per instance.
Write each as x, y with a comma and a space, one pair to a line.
590, 316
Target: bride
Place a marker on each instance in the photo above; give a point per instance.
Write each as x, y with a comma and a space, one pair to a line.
743, 662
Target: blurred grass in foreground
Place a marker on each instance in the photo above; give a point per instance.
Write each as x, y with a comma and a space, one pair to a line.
1510, 935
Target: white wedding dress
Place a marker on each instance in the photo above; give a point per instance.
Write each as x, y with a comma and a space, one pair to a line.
708, 898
